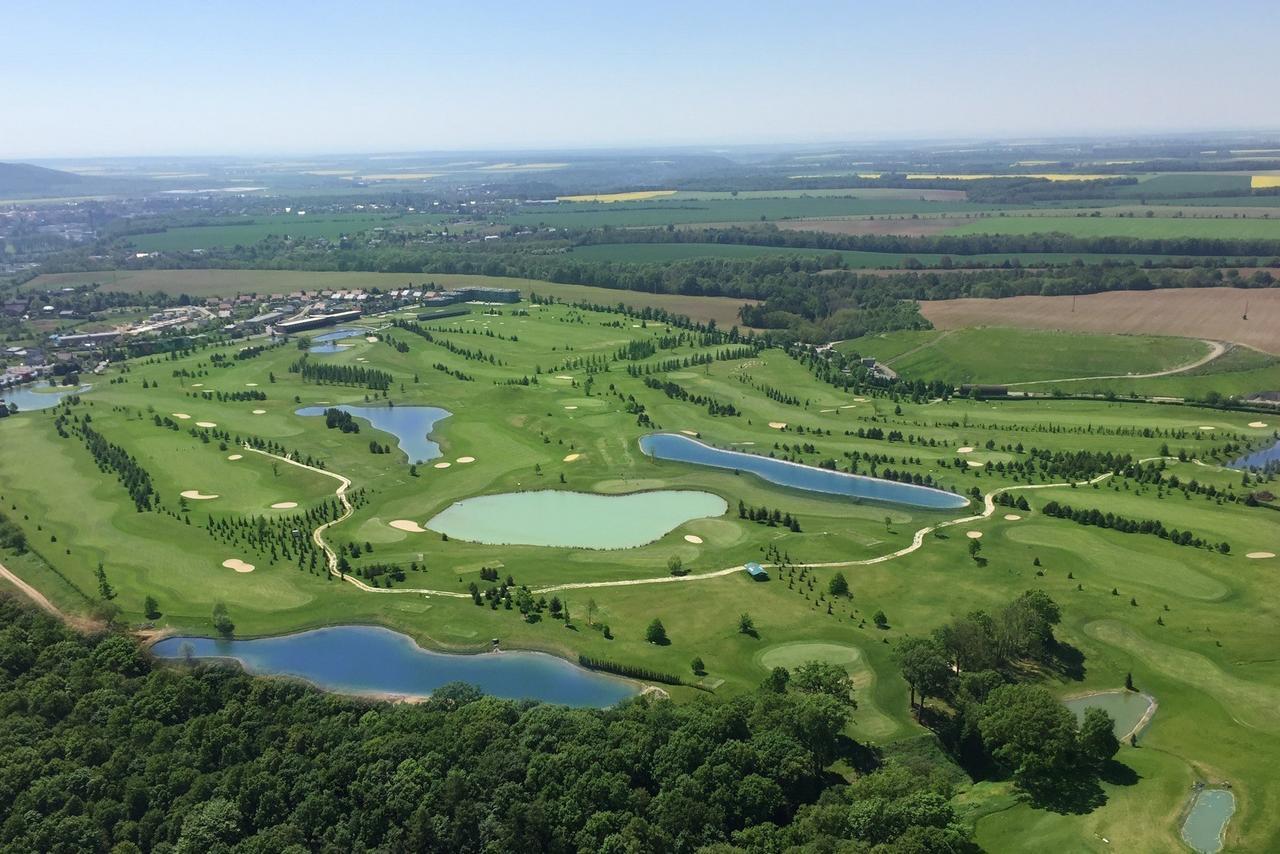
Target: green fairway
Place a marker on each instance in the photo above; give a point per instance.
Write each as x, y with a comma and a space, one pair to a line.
1000, 355
1126, 226
549, 399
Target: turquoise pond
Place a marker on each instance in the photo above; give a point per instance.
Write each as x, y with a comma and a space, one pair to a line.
328, 342
669, 446
1206, 821
372, 660
1127, 708
409, 424
38, 396
552, 517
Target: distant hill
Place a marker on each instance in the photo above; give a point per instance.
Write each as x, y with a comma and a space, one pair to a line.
25, 179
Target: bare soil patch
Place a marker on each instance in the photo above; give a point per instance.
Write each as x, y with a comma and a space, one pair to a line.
1216, 313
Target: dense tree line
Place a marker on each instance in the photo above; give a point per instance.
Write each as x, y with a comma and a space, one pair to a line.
99, 751
1125, 525
352, 375
457, 349
114, 458
675, 391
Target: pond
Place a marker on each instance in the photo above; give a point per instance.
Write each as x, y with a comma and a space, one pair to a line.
669, 446
409, 424
551, 517
328, 342
38, 396
1206, 822
1127, 709
1261, 458
373, 660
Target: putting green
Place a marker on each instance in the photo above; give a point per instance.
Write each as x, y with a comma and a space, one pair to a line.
869, 720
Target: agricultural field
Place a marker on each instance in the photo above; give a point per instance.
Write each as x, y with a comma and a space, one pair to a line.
1127, 226
553, 397
247, 233
1250, 317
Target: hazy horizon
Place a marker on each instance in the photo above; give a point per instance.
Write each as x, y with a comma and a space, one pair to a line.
292, 79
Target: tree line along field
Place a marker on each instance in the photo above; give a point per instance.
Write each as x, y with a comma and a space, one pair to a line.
1207, 663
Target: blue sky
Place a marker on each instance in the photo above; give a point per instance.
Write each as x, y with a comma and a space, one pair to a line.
94, 78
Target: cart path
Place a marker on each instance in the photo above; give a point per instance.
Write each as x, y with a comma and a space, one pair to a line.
1216, 349
31, 593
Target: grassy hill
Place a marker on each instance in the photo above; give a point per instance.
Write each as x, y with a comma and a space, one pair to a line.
23, 179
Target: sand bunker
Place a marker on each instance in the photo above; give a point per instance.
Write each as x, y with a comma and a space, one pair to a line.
251, 385
284, 505
259, 412
571, 407
206, 424
1260, 555
1011, 517
563, 377
465, 460
1203, 427
1257, 424
690, 432
778, 425
974, 464
361, 359
859, 400
407, 525
237, 564
236, 457
371, 338
442, 465
693, 538
197, 495
197, 385
181, 416
973, 535
571, 457
848, 406
965, 450
826, 410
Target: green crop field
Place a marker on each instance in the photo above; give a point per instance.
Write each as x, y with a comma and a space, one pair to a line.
1111, 226
1001, 355
545, 397
1186, 182
246, 233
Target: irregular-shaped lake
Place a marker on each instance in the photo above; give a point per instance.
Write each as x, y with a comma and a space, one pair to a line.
1206, 823
409, 424
1127, 708
552, 517
38, 396
372, 660
328, 342
670, 446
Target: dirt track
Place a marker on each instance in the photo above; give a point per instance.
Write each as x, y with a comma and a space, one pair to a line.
1215, 313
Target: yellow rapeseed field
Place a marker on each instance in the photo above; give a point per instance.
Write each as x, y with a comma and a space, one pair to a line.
637, 196
1261, 182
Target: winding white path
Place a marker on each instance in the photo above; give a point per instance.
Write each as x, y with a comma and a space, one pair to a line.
1216, 349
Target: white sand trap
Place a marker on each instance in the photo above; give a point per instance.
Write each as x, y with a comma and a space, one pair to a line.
1260, 555
974, 464
964, 450
371, 338
859, 400
693, 538
465, 460
206, 424
563, 377
1257, 424
778, 425
973, 535
259, 412
237, 564
571, 457
181, 416
1011, 517
571, 407
826, 410
197, 495
848, 406
197, 385
442, 465
236, 457
251, 385
689, 432
284, 505
407, 525
1203, 427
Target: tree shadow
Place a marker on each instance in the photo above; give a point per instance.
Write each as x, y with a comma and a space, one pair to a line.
1075, 793
1067, 661
1118, 774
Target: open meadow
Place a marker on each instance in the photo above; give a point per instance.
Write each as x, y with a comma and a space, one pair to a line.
555, 398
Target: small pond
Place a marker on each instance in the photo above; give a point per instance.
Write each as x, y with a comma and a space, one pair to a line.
552, 517
328, 342
1127, 708
409, 424
38, 396
669, 446
1206, 822
372, 660
1261, 458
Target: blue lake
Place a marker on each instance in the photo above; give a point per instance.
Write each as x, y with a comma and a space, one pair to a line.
328, 342
669, 446
32, 397
409, 424
1207, 820
372, 660
1260, 458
